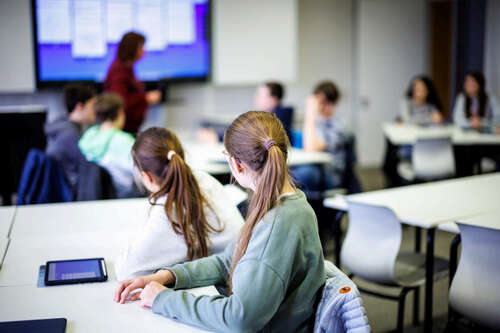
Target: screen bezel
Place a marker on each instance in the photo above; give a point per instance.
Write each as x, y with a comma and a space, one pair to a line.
58, 84
103, 276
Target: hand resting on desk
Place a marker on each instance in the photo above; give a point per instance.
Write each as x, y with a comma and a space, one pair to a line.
126, 287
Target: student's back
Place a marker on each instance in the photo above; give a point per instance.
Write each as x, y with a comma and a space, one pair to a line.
107, 145
157, 245
63, 133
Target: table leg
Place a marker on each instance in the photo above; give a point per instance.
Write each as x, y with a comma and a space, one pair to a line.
416, 295
453, 268
429, 279
337, 234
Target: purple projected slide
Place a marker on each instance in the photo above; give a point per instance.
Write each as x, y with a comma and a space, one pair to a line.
74, 270
77, 39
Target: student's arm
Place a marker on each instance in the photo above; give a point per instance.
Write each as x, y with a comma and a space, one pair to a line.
257, 294
311, 141
198, 273
404, 111
459, 118
492, 119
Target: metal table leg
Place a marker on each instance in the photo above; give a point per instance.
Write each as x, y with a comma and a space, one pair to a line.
429, 279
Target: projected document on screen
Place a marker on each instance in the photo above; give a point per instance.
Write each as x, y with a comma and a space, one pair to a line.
78, 39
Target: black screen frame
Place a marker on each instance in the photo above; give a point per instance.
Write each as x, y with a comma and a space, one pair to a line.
98, 85
102, 278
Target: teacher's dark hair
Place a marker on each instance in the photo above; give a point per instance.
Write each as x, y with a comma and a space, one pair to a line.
129, 45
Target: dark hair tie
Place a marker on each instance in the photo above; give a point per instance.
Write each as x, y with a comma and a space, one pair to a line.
269, 144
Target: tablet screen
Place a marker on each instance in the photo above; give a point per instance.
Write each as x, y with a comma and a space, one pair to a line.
74, 270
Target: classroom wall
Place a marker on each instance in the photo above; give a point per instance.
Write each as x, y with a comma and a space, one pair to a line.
324, 52
492, 48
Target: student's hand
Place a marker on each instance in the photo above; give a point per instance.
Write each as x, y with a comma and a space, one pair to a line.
153, 97
475, 122
498, 130
207, 135
126, 287
149, 293
436, 117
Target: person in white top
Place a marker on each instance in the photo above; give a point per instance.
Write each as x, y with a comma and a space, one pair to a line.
190, 217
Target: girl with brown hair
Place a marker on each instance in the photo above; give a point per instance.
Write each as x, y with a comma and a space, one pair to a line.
190, 217
275, 268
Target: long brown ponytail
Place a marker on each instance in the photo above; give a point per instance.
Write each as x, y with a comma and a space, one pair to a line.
259, 140
159, 152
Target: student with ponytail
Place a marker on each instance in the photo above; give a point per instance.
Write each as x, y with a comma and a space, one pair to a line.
274, 270
190, 216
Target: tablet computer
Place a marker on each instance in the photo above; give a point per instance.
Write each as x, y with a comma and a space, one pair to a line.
75, 271
56, 325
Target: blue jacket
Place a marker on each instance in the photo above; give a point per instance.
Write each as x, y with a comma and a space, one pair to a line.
42, 181
341, 307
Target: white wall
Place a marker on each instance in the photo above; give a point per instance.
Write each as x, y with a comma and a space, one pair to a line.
324, 52
16, 55
492, 48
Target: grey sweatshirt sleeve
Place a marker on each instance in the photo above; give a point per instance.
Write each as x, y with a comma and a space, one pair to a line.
254, 282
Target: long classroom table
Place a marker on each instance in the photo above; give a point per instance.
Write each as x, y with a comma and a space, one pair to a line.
429, 205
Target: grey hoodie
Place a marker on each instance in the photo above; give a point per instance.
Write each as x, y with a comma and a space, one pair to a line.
62, 145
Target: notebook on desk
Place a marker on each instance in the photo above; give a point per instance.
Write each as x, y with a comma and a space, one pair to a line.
55, 325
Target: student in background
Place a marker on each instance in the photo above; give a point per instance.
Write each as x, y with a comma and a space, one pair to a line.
422, 104
268, 98
323, 131
107, 145
274, 270
191, 216
63, 134
474, 108
121, 79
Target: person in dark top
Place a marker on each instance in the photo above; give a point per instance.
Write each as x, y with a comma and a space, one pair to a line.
121, 79
63, 133
268, 97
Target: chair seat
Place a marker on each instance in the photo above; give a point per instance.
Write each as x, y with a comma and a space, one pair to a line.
405, 171
409, 270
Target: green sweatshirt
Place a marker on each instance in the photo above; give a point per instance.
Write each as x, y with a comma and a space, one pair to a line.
274, 284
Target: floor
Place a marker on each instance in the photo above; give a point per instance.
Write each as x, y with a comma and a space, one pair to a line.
382, 313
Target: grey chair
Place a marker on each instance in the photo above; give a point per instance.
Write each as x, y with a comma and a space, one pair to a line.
371, 251
475, 289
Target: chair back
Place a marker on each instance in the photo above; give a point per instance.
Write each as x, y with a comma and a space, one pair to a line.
475, 291
433, 158
372, 242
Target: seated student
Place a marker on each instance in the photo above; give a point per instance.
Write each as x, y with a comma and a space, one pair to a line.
323, 131
190, 216
63, 133
422, 104
107, 145
474, 108
274, 270
268, 97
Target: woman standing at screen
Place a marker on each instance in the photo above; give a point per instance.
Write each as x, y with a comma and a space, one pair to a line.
121, 80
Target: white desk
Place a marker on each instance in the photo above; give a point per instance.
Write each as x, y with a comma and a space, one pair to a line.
428, 205
209, 157
27, 253
407, 134
78, 217
6, 218
490, 220
87, 307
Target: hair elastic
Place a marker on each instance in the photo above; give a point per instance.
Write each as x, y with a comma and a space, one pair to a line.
171, 153
269, 144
